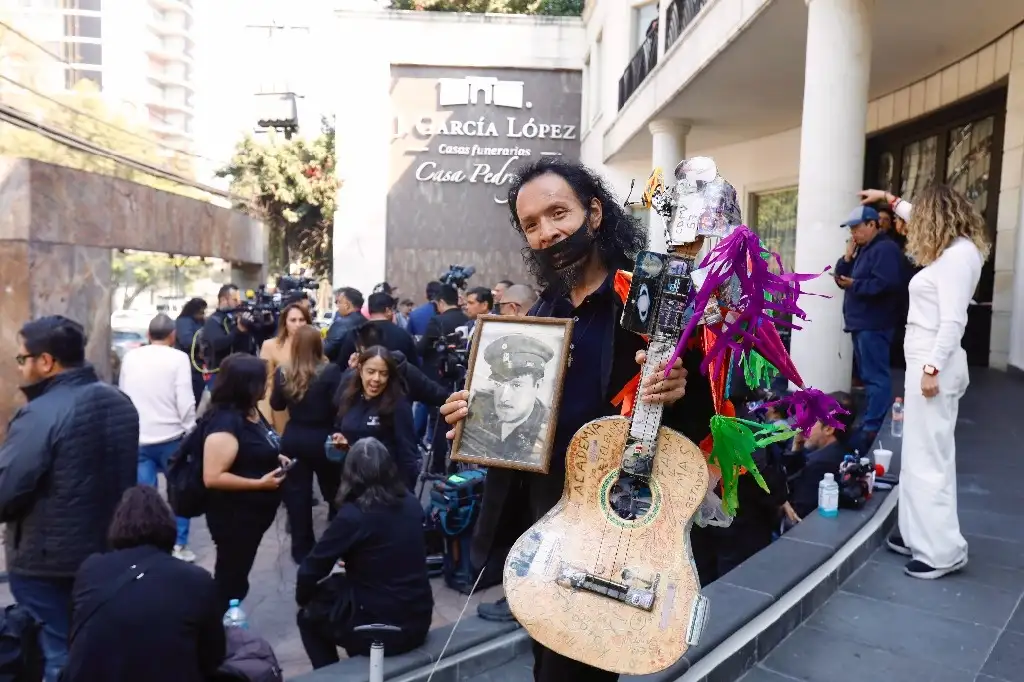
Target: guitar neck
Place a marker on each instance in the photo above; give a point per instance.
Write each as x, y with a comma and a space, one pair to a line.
647, 416
670, 289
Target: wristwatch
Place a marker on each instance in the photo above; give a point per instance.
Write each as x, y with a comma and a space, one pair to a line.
931, 370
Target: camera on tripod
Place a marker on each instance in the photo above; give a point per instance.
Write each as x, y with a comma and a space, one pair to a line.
457, 275
453, 357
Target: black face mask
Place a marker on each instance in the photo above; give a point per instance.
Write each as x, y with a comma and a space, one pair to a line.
564, 255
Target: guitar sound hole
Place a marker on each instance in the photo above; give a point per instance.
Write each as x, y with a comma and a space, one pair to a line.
630, 497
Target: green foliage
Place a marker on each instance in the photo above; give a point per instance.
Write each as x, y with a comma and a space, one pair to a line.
291, 186
141, 271
544, 7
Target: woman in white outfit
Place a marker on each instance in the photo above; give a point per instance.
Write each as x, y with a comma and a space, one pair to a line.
949, 239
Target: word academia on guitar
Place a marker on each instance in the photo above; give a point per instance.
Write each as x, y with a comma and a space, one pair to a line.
607, 576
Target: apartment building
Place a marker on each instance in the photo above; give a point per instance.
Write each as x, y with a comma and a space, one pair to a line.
138, 53
802, 103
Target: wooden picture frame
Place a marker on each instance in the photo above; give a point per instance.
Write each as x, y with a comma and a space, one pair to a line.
521, 362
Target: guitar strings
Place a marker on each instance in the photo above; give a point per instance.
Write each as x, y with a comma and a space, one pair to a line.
455, 627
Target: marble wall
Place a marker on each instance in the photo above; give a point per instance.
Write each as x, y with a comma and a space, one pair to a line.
58, 230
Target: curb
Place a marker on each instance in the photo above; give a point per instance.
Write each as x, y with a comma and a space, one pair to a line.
733, 657
752, 642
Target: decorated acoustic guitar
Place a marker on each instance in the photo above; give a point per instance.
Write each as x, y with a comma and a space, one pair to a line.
607, 577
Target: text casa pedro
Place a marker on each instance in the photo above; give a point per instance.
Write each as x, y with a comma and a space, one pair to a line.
453, 134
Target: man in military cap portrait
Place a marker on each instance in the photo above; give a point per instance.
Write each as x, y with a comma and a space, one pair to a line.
510, 421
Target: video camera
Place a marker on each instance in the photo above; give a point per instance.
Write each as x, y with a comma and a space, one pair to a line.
457, 275
293, 283
453, 357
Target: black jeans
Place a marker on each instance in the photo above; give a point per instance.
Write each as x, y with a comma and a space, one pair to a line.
551, 667
298, 498
327, 621
237, 531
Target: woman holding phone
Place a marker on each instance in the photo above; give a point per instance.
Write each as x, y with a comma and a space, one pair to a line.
949, 239
243, 470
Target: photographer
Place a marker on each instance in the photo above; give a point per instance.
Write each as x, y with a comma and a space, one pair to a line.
450, 316
347, 302
227, 330
479, 301
381, 307
421, 316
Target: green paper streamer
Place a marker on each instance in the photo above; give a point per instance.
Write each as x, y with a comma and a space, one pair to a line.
734, 443
757, 371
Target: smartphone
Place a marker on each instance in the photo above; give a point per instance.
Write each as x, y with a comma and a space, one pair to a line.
285, 468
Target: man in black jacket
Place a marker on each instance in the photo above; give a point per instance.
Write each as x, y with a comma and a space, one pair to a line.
391, 336
70, 454
226, 331
348, 303
577, 235
449, 317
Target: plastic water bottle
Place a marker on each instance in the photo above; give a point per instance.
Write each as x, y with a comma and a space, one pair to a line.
897, 418
235, 616
828, 496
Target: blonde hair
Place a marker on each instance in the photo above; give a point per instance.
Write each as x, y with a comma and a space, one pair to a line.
940, 216
307, 359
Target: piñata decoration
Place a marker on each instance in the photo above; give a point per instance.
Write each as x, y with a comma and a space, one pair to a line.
740, 293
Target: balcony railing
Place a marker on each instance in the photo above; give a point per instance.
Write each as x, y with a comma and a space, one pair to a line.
680, 14
642, 63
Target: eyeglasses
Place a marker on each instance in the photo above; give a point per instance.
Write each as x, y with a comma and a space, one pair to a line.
22, 358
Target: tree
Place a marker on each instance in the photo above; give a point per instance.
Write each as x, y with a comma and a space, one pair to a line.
141, 271
546, 7
291, 186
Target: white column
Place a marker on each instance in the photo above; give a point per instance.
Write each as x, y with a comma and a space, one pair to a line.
668, 147
362, 144
836, 74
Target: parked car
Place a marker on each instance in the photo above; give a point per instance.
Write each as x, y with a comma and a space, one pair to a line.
122, 341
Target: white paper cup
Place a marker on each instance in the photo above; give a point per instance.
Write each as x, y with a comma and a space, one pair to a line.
883, 457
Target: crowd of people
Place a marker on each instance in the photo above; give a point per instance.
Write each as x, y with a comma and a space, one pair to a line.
357, 408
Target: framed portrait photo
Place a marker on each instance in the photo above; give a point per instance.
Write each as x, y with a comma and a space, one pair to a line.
515, 376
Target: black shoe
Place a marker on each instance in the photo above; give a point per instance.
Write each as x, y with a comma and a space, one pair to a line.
895, 543
919, 569
498, 611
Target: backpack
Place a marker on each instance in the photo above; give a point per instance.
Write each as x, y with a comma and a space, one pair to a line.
21, 658
249, 658
186, 491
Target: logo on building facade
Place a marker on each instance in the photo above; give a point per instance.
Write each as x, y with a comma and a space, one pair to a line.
498, 132
468, 90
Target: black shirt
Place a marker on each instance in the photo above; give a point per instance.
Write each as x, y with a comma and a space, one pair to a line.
392, 337
310, 419
583, 399
804, 486
165, 626
258, 448
385, 563
395, 431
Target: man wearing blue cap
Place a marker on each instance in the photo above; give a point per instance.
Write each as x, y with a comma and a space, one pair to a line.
510, 422
871, 273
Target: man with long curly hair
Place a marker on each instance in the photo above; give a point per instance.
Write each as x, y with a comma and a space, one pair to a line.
576, 237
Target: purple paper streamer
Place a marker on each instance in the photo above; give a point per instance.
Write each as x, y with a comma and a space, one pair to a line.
808, 406
765, 296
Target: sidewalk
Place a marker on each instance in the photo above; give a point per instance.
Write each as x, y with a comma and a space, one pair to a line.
270, 605
883, 625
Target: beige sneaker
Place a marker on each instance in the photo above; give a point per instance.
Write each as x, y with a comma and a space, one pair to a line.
184, 553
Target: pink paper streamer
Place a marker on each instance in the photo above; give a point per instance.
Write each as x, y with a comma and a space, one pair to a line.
808, 406
765, 296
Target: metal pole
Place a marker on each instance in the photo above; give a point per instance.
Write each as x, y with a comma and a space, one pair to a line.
377, 662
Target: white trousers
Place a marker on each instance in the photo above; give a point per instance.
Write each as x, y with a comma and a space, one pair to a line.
927, 508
